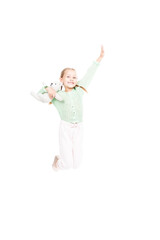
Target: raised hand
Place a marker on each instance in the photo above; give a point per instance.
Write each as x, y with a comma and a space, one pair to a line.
101, 54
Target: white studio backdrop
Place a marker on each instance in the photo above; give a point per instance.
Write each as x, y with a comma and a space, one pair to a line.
115, 193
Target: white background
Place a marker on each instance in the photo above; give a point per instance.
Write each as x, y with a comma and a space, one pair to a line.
115, 194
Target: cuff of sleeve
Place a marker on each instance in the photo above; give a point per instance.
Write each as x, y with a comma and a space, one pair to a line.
97, 63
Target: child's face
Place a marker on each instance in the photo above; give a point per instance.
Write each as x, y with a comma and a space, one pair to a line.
69, 79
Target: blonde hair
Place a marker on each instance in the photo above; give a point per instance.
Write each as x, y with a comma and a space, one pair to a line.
63, 72
65, 69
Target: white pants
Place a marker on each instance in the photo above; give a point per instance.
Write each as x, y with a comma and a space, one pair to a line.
70, 145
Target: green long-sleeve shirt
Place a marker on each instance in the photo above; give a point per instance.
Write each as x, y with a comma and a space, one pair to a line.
71, 108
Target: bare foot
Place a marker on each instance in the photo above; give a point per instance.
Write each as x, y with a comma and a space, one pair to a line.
54, 165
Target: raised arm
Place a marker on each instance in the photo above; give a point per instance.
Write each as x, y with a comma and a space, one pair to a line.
85, 81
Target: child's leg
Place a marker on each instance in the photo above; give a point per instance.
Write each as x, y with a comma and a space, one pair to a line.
65, 146
77, 145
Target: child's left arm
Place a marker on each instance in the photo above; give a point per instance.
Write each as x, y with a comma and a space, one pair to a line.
85, 81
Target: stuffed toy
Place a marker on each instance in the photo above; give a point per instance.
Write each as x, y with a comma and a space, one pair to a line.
42, 94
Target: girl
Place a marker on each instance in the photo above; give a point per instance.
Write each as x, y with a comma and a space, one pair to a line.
71, 114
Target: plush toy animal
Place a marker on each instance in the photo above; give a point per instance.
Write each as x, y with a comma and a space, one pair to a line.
42, 94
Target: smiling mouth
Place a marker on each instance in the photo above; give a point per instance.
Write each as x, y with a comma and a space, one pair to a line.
71, 83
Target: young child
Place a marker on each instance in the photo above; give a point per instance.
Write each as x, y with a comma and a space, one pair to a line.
71, 114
